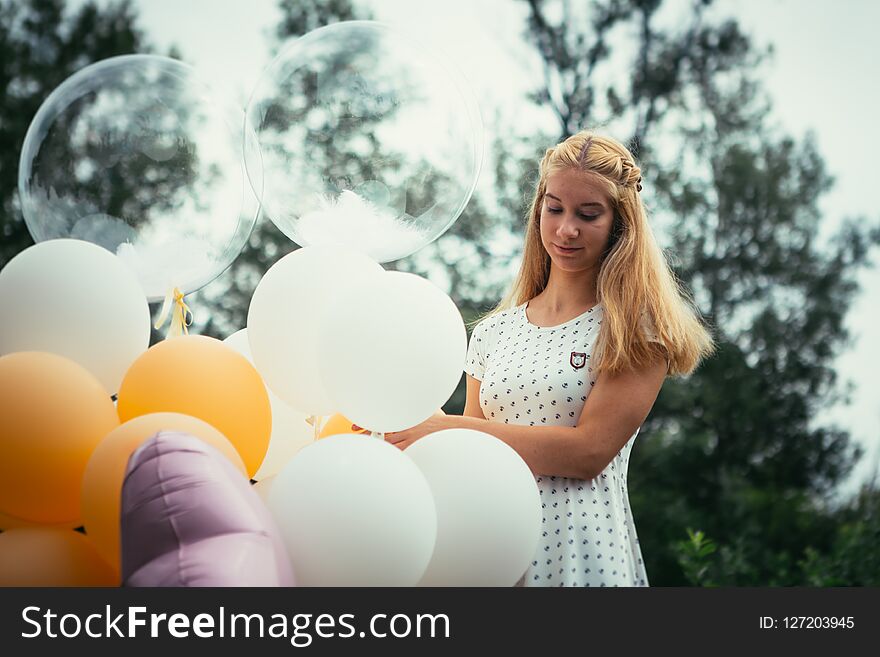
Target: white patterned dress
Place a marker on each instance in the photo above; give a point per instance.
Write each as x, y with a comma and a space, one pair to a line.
534, 376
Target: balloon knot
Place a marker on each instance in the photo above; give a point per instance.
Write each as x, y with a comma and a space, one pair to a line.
175, 307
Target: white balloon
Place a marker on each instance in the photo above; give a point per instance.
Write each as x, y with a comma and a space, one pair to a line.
392, 351
290, 428
262, 488
354, 511
284, 319
77, 300
488, 508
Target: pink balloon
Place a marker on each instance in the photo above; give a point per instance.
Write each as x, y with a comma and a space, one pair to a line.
189, 518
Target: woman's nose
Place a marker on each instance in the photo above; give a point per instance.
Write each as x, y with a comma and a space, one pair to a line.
567, 228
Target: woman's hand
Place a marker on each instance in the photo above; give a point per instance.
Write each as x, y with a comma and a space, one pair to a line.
407, 437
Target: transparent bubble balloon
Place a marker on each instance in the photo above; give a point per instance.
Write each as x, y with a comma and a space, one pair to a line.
366, 139
138, 155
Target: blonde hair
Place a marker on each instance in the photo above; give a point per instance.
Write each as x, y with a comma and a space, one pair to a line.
635, 286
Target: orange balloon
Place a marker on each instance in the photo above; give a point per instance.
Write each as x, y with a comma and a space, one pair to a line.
11, 522
53, 412
51, 557
105, 473
337, 424
202, 377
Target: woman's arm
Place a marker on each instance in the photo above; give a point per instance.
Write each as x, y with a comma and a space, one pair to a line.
615, 408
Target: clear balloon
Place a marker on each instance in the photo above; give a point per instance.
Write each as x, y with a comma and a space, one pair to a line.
139, 156
365, 139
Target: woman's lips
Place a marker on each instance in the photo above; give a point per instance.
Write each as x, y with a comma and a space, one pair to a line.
566, 251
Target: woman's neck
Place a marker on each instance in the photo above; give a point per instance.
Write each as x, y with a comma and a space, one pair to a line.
567, 293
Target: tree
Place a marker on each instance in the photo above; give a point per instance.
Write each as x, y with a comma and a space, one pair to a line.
852, 558
40, 46
734, 450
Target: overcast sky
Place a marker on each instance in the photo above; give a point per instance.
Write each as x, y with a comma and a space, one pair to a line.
822, 78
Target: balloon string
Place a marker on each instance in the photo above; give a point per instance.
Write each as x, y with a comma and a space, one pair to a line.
181, 315
317, 422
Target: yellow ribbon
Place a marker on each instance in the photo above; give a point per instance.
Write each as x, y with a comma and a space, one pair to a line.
181, 315
317, 423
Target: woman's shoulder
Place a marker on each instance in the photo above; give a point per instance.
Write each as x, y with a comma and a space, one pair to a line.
499, 320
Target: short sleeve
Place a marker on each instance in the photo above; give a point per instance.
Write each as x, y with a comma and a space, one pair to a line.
475, 363
649, 329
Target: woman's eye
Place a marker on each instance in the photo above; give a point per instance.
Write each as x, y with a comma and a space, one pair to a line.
554, 210
589, 217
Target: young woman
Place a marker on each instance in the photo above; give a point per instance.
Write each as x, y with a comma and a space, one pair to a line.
568, 366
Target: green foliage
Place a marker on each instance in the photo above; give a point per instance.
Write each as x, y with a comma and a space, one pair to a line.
853, 558
300, 17
846, 555
693, 557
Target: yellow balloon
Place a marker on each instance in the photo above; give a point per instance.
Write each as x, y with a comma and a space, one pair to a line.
105, 473
202, 377
53, 412
51, 557
338, 424
11, 522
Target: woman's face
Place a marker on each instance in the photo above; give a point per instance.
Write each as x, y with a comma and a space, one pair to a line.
576, 220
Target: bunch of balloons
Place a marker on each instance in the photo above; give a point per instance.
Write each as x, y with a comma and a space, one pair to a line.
139, 183
64, 444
